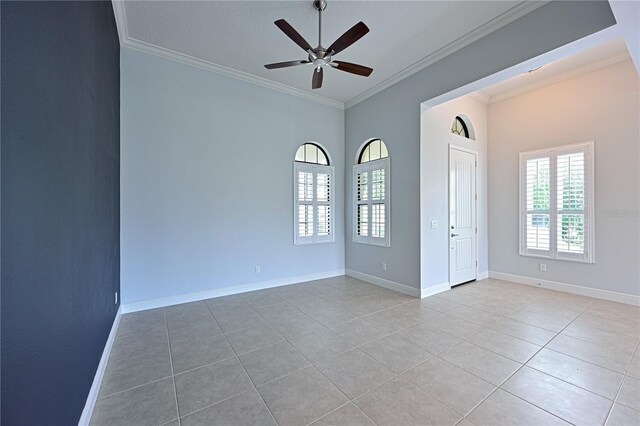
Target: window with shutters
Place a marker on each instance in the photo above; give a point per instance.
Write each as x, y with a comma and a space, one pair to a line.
371, 217
556, 203
313, 193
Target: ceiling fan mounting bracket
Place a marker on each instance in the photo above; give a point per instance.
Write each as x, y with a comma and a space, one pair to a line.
320, 5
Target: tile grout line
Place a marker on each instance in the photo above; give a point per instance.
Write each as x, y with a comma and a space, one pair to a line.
173, 377
511, 375
349, 400
310, 365
480, 328
523, 365
624, 378
242, 365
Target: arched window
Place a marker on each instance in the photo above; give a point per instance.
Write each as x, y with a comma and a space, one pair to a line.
311, 153
459, 127
371, 186
374, 150
313, 194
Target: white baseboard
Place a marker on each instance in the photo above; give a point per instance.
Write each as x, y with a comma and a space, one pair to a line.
613, 296
225, 291
482, 275
391, 285
97, 379
434, 289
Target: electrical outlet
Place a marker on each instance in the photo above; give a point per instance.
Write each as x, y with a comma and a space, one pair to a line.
257, 269
543, 267
384, 266
434, 224
116, 302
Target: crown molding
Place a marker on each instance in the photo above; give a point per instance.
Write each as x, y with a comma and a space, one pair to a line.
517, 11
128, 41
510, 15
556, 78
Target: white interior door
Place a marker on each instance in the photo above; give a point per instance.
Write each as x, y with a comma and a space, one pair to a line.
462, 216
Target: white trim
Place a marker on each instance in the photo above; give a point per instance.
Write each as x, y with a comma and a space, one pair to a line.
482, 275
85, 418
127, 41
434, 289
314, 169
552, 79
369, 167
473, 152
381, 282
499, 21
613, 296
225, 291
487, 28
589, 196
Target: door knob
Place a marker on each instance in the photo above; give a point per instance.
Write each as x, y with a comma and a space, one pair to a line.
453, 235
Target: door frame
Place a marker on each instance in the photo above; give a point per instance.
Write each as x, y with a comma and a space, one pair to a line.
453, 146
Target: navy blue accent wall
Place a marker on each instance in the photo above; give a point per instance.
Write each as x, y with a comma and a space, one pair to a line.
60, 204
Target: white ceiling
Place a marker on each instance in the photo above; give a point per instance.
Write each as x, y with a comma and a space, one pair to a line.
241, 36
585, 61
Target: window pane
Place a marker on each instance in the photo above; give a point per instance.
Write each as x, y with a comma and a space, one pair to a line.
570, 232
383, 150
366, 155
305, 220
537, 231
363, 220
324, 220
378, 185
378, 220
571, 181
538, 185
305, 186
311, 153
375, 150
322, 159
300, 154
322, 188
363, 186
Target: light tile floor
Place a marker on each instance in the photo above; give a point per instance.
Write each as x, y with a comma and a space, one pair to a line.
343, 352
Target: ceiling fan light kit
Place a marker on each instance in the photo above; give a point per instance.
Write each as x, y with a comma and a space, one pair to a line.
319, 56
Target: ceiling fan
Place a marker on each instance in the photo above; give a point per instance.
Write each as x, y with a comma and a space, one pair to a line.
319, 56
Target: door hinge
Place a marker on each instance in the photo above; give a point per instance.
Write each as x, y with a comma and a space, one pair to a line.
476, 263
476, 163
476, 197
476, 230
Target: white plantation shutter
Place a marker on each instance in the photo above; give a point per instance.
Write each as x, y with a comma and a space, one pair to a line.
371, 203
313, 207
557, 203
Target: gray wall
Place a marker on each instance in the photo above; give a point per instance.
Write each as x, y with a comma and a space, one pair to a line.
394, 116
207, 172
60, 198
602, 106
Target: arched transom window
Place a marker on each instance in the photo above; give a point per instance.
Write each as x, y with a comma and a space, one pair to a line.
311, 153
313, 195
374, 150
459, 127
371, 221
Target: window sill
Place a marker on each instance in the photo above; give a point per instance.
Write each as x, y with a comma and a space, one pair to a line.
562, 259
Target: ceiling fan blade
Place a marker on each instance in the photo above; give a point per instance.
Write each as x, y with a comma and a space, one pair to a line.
317, 79
352, 68
285, 64
347, 39
292, 34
